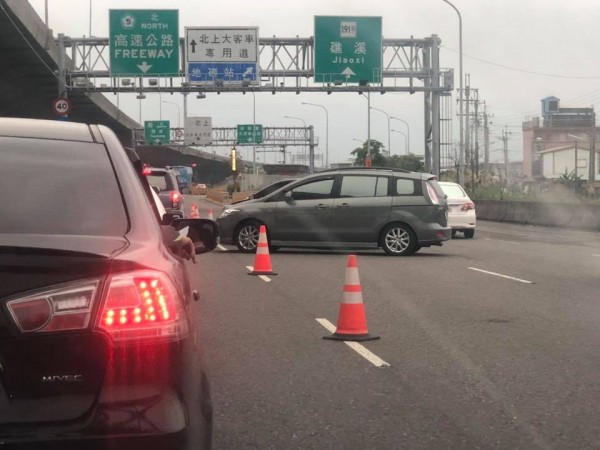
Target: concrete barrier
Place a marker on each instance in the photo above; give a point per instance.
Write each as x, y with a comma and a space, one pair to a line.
568, 215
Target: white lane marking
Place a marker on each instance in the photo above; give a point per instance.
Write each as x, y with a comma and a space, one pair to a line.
502, 240
358, 348
220, 247
500, 275
262, 277
593, 254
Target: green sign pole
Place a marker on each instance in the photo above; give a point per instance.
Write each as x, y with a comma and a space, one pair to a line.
144, 42
348, 49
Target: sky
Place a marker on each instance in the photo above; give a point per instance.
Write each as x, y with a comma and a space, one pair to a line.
515, 52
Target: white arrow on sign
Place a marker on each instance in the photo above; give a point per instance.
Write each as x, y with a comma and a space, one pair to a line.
348, 72
144, 67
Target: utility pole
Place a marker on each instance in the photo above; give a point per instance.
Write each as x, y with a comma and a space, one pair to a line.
505, 134
592, 174
467, 127
486, 139
476, 133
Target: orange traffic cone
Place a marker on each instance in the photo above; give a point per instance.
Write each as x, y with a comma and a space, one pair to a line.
352, 321
194, 212
262, 260
210, 215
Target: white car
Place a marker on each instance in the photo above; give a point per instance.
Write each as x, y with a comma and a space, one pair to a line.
461, 209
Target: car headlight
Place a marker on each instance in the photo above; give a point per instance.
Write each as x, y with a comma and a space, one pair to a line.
227, 212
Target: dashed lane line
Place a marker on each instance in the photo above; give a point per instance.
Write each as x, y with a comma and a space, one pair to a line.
501, 275
358, 348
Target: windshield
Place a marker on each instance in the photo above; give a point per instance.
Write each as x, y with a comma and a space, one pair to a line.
453, 190
59, 188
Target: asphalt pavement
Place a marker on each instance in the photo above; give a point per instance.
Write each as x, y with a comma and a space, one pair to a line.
491, 343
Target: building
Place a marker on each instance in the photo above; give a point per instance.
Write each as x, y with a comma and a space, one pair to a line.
563, 137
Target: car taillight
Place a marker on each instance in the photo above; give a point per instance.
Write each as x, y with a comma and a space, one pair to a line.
467, 206
175, 197
66, 308
141, 305
433, 195
147, 171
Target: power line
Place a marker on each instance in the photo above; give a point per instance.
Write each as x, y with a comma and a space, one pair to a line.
523, 70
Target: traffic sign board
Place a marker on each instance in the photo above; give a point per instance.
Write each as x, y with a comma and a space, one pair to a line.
61, 106
144, 42
245, 135
348, 49
157, 132
227, 55
198, 130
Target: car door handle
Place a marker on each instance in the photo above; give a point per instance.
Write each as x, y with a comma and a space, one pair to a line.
321, 206
344, 205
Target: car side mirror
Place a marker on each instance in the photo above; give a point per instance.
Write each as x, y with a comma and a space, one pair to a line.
168, 218
204, 233
289, 197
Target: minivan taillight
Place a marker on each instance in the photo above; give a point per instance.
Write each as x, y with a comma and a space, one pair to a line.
433, 195
64, 308
175, 197
140, 305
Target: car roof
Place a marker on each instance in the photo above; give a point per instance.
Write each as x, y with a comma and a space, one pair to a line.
47, 129
376, 170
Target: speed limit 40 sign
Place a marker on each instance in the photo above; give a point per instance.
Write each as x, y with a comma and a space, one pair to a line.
61, 106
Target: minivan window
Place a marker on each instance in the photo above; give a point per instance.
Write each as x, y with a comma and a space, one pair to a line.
363, 186
159, 181
64, 188
313, 191
406, 187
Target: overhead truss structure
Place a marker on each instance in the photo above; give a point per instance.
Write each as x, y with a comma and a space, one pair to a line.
286, 65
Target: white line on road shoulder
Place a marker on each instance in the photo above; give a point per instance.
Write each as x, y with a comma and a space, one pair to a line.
220, 247
594, 254
262, 277
358, 348
502, 240
500, 275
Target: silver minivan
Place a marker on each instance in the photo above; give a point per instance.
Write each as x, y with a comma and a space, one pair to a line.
358, 208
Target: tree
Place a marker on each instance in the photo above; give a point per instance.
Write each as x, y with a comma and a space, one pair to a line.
360, 154
406, 162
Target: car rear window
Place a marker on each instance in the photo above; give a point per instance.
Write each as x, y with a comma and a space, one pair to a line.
453, 190
58, 187
160, 181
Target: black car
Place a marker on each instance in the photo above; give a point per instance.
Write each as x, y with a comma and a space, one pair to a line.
97, 326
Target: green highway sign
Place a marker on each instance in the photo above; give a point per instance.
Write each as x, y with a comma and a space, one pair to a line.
348, 49
144, 42
157, 132
245, 135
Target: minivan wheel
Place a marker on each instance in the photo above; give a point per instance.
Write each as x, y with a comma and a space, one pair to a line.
246, 236
398, 240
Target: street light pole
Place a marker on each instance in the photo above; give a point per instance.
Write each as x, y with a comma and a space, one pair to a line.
326, 131
405, 140
461, 157
178, 112
305, 128
254, 168
407, 128
389, 128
